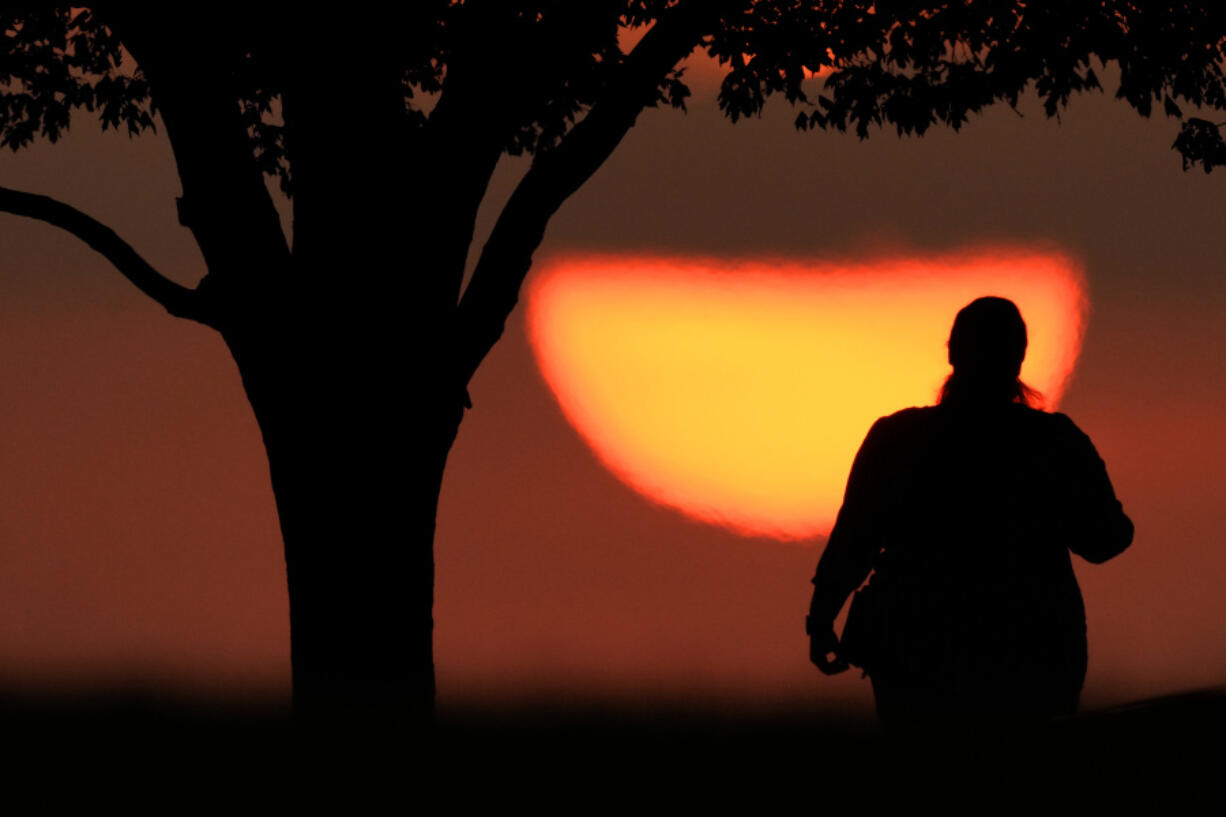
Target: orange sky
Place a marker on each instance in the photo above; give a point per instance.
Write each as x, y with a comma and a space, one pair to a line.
138, 537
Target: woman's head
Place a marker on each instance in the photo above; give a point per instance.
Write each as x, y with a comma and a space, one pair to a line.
986, 347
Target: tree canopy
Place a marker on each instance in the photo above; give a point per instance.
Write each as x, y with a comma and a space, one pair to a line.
906, 64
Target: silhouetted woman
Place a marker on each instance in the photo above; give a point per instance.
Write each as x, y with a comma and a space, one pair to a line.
965, 513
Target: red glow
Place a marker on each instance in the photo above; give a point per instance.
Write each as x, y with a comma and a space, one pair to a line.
738, 392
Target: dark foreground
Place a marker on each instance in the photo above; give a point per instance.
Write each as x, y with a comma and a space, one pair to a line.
598, 760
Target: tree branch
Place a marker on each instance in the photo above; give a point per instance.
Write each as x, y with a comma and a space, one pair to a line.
190, 64
463, 143
556, 174
177, 299
469, 129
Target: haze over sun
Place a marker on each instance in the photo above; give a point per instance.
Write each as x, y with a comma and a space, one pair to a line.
738, 391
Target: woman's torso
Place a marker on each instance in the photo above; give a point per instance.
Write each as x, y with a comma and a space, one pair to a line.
975, 567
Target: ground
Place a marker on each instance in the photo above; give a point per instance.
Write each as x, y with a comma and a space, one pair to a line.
145, 748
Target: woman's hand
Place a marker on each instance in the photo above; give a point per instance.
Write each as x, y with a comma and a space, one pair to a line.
824, 652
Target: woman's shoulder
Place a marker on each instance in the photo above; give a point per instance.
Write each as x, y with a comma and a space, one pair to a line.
1051, 420
911, 415
1072, 435
920, 417
900, 422
1049, 428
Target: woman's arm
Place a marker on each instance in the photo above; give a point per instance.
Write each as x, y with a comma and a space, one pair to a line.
853, 545
1099, 528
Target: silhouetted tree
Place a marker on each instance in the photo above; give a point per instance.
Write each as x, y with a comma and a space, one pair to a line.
356, 341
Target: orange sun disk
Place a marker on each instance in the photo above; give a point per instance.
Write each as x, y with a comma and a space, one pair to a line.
738, 392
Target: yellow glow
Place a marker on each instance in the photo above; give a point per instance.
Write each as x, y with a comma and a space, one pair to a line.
738, 392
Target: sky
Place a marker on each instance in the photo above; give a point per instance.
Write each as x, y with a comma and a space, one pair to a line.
138, 539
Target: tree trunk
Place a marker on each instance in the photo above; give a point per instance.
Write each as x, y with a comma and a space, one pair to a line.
356, 448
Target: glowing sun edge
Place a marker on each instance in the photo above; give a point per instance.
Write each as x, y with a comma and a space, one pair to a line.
758, 447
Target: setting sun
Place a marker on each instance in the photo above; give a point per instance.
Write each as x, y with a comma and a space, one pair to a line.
738, 392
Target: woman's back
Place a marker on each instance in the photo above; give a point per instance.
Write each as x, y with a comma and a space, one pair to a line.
978, 513
967, 512
990, 497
